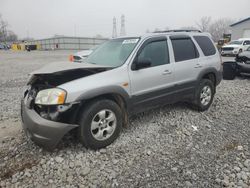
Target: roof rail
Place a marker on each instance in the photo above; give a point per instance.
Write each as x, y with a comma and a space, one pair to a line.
179, 30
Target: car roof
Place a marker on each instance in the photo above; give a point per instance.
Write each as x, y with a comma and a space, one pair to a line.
244, 39
169, 33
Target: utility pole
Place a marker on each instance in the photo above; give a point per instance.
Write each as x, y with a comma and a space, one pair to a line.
114, 34
123, 31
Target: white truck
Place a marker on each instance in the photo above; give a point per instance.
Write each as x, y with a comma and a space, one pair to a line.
235, 47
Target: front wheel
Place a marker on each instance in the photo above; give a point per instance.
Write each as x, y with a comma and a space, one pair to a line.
100, 124
204, 95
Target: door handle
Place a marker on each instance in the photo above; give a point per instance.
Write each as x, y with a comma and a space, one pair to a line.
167, 72
198, 66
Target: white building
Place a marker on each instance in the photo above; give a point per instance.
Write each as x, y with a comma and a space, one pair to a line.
241, 29
68, 43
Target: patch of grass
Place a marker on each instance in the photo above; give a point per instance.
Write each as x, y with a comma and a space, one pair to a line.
14, 166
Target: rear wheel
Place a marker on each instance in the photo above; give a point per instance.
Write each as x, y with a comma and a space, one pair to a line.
204, 95
100, 124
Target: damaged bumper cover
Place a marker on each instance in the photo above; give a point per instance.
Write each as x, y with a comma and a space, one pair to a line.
43, 132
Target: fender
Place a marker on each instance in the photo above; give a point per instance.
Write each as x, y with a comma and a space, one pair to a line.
105, 90
218, 74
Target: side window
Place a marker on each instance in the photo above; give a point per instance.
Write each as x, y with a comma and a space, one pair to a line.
247, 42
206, 45
156, 52
184, 49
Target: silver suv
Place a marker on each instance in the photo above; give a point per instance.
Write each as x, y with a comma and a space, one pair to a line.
124, 76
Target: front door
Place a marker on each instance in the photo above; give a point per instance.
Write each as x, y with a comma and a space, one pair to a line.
150, 86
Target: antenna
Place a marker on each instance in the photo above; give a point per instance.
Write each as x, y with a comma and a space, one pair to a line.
114, 34
123, 31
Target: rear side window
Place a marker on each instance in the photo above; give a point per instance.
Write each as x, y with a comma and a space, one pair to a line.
206, 45
184, 49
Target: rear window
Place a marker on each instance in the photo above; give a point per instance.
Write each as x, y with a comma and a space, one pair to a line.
206, 45
184, 49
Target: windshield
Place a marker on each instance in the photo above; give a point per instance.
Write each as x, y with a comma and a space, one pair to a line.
113, 53
237, 42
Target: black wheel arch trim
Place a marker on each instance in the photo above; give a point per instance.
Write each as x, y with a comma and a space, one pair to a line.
217, 74
105, 91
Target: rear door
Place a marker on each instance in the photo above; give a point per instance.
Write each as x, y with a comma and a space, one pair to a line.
187, 65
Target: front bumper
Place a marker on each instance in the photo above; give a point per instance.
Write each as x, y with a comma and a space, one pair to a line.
42, 131
233, 52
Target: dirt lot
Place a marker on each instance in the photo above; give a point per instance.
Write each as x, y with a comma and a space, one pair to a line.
173, 146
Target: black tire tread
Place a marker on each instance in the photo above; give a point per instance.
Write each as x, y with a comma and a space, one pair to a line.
197, 104
86, 116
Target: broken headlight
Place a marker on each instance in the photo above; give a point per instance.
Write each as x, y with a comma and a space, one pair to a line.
51, 96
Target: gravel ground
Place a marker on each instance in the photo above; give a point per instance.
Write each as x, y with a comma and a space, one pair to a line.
171, 146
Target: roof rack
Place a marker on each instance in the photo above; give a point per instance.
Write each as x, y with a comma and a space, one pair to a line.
179, 30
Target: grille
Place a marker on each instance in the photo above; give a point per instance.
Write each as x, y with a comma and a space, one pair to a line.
227, 49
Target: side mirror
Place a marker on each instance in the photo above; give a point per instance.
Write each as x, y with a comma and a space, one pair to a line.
141, 64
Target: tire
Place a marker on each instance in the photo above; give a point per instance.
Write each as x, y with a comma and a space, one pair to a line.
96, 130
205, 86
229, 70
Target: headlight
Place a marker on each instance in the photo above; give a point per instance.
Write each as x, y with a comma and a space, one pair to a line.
51, 96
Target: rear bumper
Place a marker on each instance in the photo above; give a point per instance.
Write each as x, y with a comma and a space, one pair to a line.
43, 132
219, 77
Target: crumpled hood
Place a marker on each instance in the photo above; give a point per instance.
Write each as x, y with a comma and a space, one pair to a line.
65, 66
231, 46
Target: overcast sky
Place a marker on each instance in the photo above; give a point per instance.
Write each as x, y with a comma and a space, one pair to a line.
45, 18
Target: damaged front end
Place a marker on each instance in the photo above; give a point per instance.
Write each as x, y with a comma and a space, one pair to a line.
58, 112
48, 118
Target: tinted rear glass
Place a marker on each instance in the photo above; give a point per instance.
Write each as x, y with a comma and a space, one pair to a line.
184, 49
206, 45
